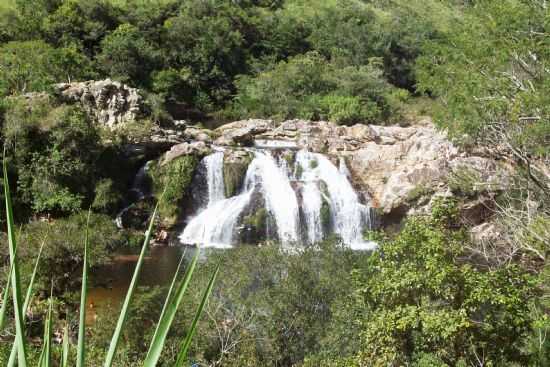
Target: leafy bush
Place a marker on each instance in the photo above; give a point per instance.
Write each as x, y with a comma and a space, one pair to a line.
28, 66
419, 297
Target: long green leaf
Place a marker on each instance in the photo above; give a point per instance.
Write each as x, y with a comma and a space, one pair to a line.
81, 347
5, 300
182, 356
65, 352
28, 298
46, 355
6, 296
168, 314
15, 279
124, 312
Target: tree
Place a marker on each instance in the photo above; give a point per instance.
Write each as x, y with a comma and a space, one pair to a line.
27, 66
495, 88
81, 22
126, 55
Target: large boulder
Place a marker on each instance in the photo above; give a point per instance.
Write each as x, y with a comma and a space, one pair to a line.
109, 102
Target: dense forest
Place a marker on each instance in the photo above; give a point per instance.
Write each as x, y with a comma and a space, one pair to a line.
427, 296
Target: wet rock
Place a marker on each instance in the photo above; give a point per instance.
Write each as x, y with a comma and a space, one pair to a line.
235, 165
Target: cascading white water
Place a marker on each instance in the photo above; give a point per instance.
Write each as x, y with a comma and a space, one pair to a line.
318, 180
311, 209
214, 178
349, 216
214, 227
280, 198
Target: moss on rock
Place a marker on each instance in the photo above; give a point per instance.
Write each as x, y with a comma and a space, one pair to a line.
174, 178
234, 172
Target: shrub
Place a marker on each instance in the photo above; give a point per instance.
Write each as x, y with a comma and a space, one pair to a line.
310, 87
419, 297
107, 197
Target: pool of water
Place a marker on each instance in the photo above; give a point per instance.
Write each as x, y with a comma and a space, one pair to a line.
109, 283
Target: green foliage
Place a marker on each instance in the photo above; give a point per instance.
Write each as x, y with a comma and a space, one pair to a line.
28, 66
420, 298
80, 22
497, 82
107, 197
60, 178
19, 349
126, 55
311, 87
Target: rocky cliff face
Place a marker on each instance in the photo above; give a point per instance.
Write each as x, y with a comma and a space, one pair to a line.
399, 168
111, 103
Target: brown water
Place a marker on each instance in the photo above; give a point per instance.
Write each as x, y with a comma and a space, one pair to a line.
110, 283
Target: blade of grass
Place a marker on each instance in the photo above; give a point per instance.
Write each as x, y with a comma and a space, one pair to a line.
124, 311
15, 279
182, 355
5, 300
81, 346
65, 352
28, 298
168, 313
45, 356
6, 296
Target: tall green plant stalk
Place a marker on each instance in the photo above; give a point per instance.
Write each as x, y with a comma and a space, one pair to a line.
28, 297
81, 347
168, 313
182, 355
46, 355
125, 307
15, 279
65, 352
5, 300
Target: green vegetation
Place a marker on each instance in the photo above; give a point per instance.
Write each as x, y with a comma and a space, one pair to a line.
20, 346
345, 60
428, 296
172, 180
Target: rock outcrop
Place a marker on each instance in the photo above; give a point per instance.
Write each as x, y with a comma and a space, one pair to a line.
109, 102
399, 168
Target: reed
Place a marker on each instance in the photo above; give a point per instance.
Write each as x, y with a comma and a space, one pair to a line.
172, 302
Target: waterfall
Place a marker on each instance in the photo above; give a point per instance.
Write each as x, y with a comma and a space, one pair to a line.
214, 227
348, 215
280, 198
214, 177
324, 189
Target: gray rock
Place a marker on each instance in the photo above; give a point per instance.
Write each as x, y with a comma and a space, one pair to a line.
109, 102
242, 133
198, 149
